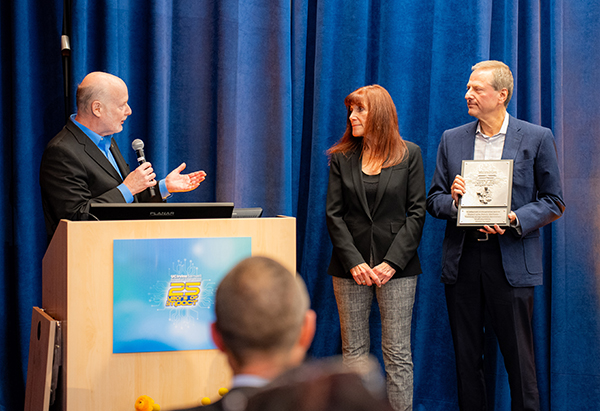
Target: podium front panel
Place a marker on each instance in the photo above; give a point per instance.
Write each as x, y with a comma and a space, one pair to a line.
78, 291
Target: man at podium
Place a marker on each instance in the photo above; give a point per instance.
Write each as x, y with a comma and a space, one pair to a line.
82, 164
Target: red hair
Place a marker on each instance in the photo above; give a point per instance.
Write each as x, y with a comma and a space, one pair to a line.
381, 135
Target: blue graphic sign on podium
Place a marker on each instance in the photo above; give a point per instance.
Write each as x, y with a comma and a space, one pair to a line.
163, 290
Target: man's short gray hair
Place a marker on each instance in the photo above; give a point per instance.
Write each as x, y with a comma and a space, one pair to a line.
501, 76
260, 308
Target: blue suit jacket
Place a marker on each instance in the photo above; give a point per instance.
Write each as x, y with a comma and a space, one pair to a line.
536, 197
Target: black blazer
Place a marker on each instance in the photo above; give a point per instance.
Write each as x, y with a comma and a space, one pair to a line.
74, 173
393, 232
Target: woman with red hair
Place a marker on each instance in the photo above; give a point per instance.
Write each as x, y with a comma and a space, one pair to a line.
375, 216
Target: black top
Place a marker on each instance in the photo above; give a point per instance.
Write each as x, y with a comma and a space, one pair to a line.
371, 182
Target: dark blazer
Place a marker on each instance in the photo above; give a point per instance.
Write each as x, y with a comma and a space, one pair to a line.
394, 230
74, 173
536, 197
235, 400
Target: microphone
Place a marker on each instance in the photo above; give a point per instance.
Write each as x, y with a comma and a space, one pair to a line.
138, 147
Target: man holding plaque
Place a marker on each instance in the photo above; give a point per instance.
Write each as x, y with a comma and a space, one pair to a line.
491, 267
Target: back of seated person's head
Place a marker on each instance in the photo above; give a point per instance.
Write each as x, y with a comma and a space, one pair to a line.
337, 391
261, 309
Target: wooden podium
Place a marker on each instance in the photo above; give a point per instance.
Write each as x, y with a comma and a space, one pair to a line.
77, 290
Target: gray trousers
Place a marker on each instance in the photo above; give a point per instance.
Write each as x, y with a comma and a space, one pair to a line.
396, 299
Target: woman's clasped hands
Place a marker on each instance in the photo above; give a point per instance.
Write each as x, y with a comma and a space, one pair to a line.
378, 275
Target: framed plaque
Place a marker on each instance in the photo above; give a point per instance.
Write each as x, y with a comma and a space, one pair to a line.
488, 188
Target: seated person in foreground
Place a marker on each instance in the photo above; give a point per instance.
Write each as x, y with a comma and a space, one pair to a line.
264, 325
325, 385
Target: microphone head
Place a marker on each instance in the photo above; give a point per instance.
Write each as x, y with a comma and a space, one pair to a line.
137, 144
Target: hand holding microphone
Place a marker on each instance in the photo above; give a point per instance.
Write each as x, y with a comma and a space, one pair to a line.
175, 182
143, 176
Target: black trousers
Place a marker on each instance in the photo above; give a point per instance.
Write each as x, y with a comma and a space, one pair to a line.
482, 289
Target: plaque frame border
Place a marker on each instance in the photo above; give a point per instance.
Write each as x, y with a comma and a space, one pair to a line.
508, 199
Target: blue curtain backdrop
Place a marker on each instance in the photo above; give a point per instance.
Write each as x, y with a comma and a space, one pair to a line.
252, 92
